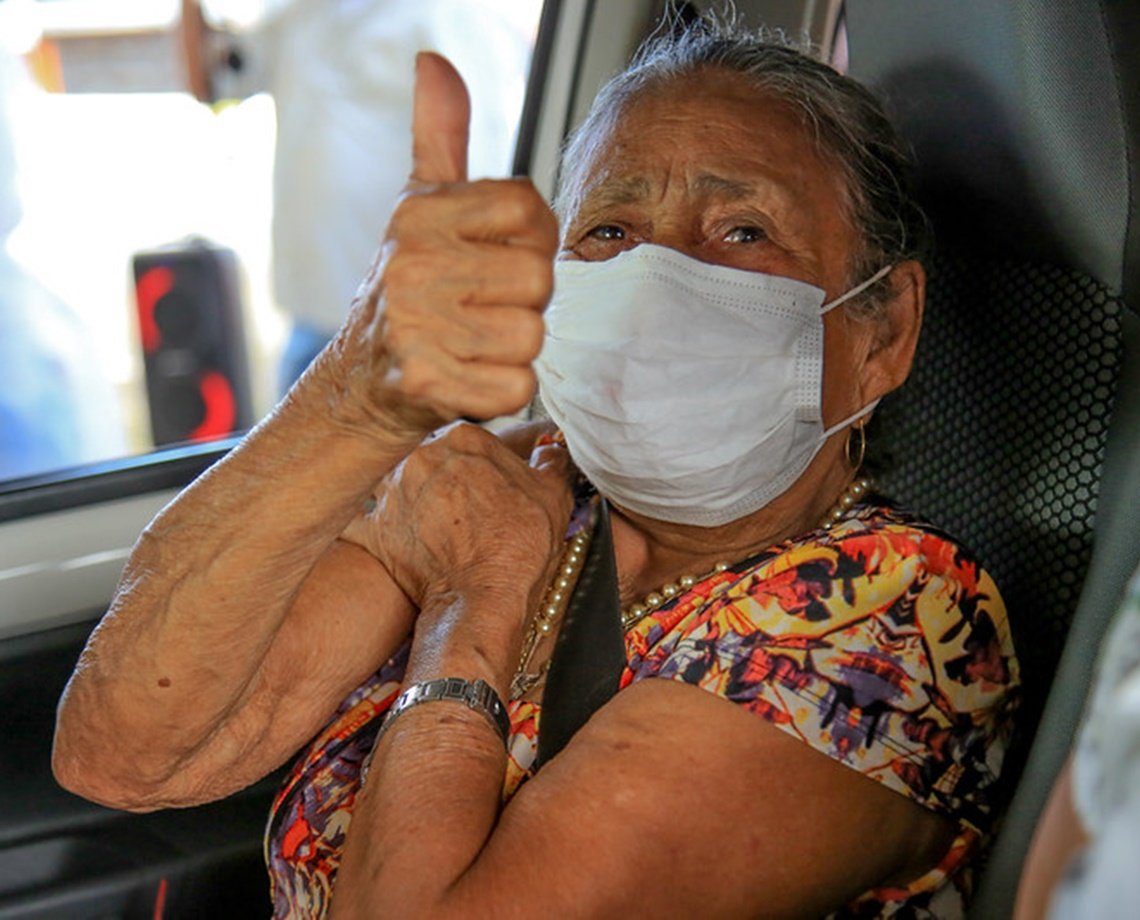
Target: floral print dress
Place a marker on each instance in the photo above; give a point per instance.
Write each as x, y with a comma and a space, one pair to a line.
880, 643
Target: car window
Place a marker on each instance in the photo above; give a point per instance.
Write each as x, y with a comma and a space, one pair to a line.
169, 263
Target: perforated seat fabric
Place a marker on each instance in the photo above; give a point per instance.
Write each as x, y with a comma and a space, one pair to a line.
1025, 120
999, 435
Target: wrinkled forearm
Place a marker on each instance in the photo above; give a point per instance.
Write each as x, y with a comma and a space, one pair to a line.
204, 595
439, 766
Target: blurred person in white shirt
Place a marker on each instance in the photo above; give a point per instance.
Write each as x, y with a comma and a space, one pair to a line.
340, 74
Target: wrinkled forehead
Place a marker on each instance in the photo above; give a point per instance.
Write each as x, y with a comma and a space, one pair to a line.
737, 110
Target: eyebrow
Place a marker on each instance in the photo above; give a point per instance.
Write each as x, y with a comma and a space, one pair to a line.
723, 187
614, 191
632, 189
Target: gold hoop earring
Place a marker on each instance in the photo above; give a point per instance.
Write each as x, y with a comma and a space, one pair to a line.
856, 458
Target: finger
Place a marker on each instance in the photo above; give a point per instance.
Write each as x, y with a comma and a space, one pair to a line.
498, 211
441, 113
418, 277
552, 459
499, 335
450, 388
556, 472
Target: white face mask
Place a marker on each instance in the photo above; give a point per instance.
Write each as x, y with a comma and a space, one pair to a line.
687, 392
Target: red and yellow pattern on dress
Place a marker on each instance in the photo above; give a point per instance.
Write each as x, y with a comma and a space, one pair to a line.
880, 643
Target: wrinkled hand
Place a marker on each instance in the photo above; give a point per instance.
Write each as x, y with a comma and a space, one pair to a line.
463, 513
450, 317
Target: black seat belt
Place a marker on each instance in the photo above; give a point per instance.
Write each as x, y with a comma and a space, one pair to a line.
589, 655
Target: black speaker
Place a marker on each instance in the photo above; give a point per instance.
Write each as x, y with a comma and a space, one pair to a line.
193, 342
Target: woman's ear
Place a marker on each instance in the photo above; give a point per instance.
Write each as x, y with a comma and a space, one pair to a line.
891, 351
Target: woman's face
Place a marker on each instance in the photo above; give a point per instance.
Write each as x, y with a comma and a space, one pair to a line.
706, 166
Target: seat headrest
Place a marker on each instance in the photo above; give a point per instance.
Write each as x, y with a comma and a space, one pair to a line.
1023, 118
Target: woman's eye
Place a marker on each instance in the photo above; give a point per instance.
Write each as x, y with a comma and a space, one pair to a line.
745, 235
606, 233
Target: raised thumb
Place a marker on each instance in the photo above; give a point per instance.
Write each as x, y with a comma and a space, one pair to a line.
441, 111
553, 460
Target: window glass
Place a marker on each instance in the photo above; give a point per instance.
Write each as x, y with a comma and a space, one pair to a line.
191, 192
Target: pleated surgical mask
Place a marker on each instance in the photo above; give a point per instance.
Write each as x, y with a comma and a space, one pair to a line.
687, 392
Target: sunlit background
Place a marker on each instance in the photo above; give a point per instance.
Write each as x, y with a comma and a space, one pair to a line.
108, 166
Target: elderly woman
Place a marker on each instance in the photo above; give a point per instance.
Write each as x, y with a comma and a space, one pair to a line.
817, 687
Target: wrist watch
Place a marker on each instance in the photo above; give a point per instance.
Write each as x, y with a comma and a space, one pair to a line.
478, 695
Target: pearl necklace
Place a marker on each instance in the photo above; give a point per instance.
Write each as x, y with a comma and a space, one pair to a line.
855, 490
569, 567
634, 613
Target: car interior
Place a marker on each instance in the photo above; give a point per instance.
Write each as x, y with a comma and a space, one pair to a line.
1019, 429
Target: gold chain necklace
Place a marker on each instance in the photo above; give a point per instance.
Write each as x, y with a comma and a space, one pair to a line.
551, 610
570, 565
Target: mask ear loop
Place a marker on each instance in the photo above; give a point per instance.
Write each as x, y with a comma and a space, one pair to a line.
857, 290
856, 459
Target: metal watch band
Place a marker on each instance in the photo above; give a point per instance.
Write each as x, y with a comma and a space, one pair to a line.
478, 695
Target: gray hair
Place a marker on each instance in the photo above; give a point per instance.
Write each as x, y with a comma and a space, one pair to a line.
848, 123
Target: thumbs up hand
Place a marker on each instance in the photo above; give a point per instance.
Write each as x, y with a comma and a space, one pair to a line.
450, 317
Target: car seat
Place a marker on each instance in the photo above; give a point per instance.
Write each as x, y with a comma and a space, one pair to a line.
1019, 429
